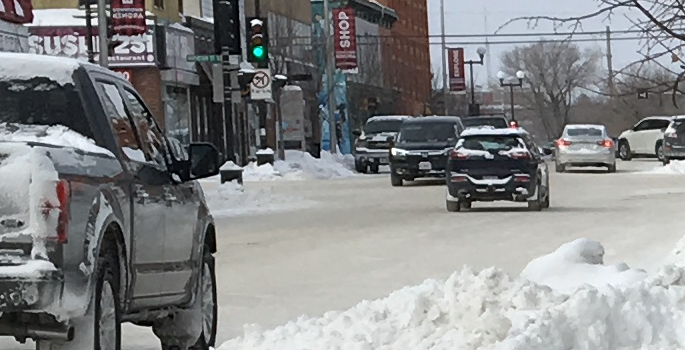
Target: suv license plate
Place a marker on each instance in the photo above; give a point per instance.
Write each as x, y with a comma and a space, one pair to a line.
490, 177
425, 166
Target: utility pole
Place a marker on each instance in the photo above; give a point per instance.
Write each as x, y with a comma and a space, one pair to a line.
610, 64
443, 49
330, 79
102, 33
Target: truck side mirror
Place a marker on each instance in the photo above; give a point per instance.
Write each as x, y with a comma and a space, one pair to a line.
203, 161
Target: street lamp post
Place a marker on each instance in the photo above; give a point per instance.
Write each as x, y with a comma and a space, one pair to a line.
474, 109
519, 75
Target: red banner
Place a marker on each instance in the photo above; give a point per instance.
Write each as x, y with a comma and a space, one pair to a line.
16, 11
128, 17
345, 39
456, 69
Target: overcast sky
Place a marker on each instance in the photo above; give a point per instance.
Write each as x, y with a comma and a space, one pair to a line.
486, 16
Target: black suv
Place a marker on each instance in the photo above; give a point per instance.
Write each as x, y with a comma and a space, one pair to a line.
422, 147
674, 140
496, 165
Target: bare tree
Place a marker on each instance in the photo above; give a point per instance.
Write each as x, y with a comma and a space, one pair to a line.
555, 72
659, 22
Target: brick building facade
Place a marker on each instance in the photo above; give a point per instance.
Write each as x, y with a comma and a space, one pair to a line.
409, 60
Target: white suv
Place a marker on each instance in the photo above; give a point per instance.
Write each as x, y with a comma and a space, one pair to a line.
644, 139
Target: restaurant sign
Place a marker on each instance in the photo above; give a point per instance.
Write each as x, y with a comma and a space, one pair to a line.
133, 51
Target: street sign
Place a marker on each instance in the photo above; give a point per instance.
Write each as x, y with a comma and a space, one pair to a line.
260, 88
204, 58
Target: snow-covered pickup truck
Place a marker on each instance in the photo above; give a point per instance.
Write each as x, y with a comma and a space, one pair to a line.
101, 222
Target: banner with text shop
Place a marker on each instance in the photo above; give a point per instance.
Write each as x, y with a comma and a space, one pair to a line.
456, 69
345, 39
128, 17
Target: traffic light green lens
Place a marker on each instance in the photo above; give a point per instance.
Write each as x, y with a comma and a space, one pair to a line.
258, 52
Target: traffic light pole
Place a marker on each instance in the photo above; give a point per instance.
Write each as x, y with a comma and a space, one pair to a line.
102, 33
330, 79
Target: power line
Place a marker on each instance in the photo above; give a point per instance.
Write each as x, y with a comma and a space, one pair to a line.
465, 43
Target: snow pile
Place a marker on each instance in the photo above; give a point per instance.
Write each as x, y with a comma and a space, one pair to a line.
491, 310
233, 199
675, 167
302, 165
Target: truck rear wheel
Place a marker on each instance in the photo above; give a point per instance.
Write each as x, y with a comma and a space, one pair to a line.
100, 328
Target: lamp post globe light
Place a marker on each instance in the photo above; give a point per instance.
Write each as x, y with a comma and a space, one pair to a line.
474, 108
520, 75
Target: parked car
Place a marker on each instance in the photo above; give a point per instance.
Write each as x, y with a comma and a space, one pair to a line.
101, 223
674, 140
585, 145
645, 139
422, 147
496, 165
372, 145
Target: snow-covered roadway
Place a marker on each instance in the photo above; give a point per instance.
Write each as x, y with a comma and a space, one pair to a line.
363, 239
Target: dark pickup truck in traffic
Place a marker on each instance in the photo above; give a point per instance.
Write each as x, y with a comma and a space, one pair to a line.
100, 220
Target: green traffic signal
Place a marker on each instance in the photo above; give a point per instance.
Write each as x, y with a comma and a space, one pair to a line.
258, 52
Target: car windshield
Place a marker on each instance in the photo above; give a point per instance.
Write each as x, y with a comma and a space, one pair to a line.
40, 101
427, 132
491, 143
584, 132
383, 125
473, 122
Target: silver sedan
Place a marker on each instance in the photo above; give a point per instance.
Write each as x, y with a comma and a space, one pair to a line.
585, 145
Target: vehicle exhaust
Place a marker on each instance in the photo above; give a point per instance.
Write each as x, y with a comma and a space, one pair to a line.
57, 331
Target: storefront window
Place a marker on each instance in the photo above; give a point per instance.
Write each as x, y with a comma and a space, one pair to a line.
177, 110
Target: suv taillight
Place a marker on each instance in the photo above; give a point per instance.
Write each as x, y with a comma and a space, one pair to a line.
455, 154
519, 155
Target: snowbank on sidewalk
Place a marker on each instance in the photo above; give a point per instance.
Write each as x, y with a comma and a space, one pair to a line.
232, 199
301, 165
491, 310
675, 167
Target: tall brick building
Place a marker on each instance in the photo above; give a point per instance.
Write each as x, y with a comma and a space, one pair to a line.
410, 54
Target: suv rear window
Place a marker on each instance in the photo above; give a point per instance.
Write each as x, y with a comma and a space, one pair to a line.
383, 125
472, 122
41, 101
678, 125
427, 132
491, 143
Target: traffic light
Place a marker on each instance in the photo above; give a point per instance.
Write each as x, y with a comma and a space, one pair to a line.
227, 26
258, 44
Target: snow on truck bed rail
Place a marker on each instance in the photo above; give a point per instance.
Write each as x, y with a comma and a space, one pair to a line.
565, 300
57, 135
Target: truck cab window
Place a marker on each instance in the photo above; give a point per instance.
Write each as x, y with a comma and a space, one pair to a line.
151, 137
121, 124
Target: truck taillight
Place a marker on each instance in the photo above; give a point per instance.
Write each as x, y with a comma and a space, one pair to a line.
64, 197
513, 124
